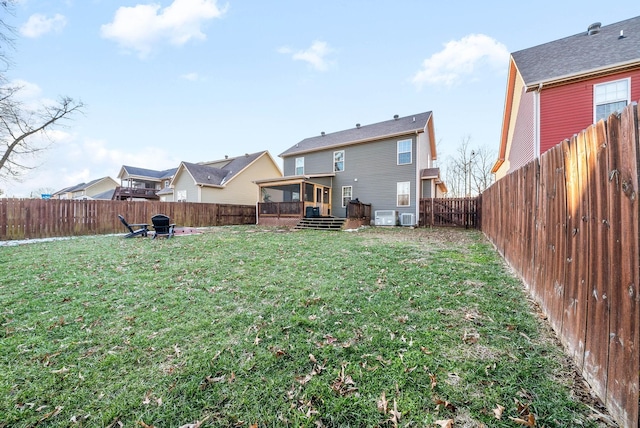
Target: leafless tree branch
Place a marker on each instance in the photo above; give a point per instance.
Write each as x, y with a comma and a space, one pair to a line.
20, 126
469, 171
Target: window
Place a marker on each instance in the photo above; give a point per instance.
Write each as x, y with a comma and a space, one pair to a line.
338, 161
299, 166
609, 98
166, 183
404, 152
181, 196
308, 192
404, 194
347, 193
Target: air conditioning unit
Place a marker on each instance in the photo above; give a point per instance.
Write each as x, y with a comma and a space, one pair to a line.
386, 218
407, 219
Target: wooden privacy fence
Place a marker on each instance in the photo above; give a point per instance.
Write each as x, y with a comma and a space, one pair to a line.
38, 218
456, 212
568, 224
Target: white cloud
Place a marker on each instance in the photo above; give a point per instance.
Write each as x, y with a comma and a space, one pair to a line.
461, 58
194, 77
39, 24
28, 91
315, 55
141, 27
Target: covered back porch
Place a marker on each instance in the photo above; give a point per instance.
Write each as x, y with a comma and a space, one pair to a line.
285, 201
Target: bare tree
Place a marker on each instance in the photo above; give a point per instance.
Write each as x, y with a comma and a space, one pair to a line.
481, 176
7, 32
24, 130
468, 173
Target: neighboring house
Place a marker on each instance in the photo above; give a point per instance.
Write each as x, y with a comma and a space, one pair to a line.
388, 165
557, 89
225, 181
91, 190
141, 183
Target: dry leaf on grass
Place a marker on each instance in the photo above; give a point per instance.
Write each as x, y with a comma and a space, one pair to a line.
445, 404
57, 410
434, 380
199, 423
498, 411
344, 385
395, 414
529, 422
445, 423
383, 404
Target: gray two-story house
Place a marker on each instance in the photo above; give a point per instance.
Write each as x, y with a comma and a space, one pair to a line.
388, 165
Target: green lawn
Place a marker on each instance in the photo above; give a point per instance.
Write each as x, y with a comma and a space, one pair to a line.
243, 326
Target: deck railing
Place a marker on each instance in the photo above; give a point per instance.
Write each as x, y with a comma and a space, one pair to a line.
280, 209
135, 192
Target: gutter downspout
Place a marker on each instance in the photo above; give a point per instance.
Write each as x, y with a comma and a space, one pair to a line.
536, 118
418, 179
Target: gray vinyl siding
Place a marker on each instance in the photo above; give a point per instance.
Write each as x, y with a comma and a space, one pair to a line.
373, 165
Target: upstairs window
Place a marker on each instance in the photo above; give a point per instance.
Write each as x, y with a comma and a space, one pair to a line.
404, 152
338, 161
610, 97
299, 166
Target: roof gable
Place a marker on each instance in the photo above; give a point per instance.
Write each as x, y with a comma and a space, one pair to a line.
206, 175
581, 53
84, 186
202, 174
361, 134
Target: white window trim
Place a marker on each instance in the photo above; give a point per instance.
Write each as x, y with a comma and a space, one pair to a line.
398, 194
181, 196
343, 161
351, 194
628, 99
410, 151
296, 166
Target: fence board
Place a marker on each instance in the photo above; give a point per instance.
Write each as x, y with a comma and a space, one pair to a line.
450, 212
579, 224
37, 218
622, 385
597, 331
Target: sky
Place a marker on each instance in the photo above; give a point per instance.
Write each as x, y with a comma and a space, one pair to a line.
165, 81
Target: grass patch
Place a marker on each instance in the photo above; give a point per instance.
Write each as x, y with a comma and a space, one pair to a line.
248, 326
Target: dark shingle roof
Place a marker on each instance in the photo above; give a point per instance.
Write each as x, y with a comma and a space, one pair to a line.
143, 172
106, 195
580, 53
80, 186
430, 173
204, 174
408, 124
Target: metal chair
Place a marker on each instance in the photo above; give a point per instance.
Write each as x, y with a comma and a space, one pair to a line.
141, 229
162, 226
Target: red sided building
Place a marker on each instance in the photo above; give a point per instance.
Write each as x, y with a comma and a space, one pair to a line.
557, 89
